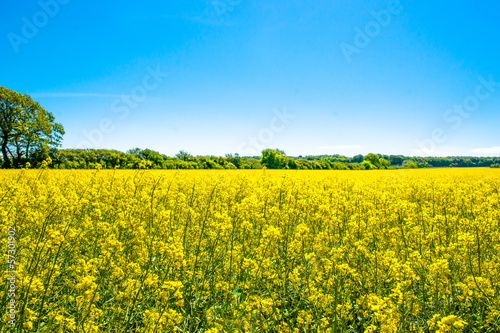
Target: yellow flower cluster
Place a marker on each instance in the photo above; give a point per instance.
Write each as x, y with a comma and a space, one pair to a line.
252, 250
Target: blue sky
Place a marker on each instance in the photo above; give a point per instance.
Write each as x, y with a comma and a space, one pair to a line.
237, 76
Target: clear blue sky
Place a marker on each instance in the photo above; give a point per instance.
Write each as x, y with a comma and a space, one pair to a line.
309, 77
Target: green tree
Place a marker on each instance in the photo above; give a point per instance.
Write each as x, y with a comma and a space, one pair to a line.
273, 158
385, 164
291, 163
396, 159
367, 165
150, 155
25, 128
134, 152
373, 159
357, 159
236, 159
410, 164
186, 157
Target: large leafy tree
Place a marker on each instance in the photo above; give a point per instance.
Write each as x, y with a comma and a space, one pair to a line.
25, 128
373, 159
273, 158
182, 155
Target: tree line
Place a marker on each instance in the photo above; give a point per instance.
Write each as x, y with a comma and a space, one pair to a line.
30, 137
271, 159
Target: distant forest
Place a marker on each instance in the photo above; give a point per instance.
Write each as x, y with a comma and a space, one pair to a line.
30, 137
271, 158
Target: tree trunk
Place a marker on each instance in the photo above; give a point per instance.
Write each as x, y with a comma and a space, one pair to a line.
17, 160
6, 161
28, 151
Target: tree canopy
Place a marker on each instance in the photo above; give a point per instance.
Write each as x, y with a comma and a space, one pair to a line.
26, 128
273, 158
137, 158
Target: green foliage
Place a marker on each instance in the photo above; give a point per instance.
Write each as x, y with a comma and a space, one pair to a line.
26, 129
410, 164
273, 159
182, 155
109, 159
385, 164
373, 159
291, 163
395, 159
234, 159
358, 159
367, 165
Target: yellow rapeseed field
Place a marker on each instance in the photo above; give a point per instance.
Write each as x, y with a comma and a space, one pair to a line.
250, 251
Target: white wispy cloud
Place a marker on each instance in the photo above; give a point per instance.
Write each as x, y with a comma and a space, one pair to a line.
340, 147
491, 150
70, 94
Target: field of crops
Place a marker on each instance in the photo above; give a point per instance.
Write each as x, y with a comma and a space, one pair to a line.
250, 251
